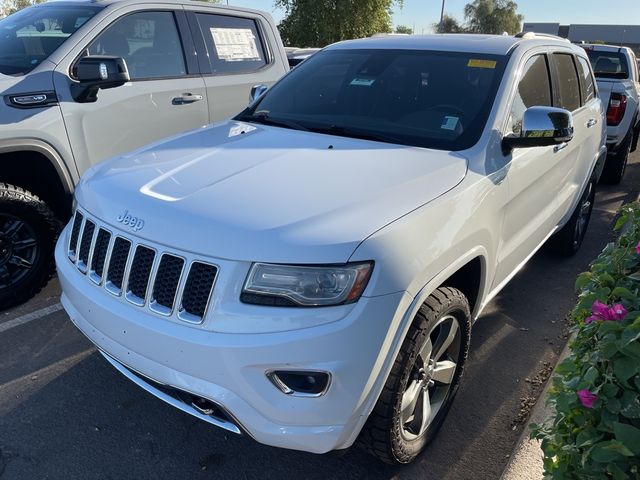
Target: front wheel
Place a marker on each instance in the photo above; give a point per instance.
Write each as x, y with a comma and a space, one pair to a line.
28, 232
423, 380
616, 164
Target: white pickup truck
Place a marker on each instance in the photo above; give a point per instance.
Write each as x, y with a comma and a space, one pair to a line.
616, 71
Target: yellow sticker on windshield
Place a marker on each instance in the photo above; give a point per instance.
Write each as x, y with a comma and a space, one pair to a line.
477, 63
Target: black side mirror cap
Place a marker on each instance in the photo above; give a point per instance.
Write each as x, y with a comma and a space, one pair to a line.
94, 73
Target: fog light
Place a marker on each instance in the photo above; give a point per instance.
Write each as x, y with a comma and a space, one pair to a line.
300, 383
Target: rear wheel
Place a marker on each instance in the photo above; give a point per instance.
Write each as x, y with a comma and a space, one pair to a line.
616, 164
569, 239
28, 232
423, 381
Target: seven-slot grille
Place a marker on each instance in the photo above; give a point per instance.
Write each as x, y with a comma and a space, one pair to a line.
162, 281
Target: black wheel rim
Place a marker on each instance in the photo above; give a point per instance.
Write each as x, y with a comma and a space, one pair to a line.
584, 215
19, 250
431, 378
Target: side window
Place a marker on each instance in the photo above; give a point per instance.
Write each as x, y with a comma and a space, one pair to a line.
568, 86
148, 41
586, 81
534, 90
233, 43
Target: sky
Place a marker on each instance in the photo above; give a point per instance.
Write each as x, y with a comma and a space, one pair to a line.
424, 13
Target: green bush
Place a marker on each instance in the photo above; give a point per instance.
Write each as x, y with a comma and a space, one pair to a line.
595, 432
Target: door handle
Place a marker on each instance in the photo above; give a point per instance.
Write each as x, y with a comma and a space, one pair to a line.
592, 122
186, 98
562, 146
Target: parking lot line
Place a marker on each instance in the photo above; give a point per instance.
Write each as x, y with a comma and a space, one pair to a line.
43, 312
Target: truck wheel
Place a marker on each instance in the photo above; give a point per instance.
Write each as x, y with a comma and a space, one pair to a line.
616, 163
423, 380
28, 233
569, 239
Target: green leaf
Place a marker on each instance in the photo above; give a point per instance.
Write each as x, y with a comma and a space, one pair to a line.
591, 375
624, 368
616, 472
621, 292
630, 404
582, 280
610, 450
635, 276
628, 435
607, 279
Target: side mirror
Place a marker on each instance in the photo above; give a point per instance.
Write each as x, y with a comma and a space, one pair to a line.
541, 127
95, 73
256, 92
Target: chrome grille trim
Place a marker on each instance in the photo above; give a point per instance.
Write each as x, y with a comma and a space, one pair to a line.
154, 283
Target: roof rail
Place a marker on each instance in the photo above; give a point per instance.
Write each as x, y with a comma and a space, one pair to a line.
543, 35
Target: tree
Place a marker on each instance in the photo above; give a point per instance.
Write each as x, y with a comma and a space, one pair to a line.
404, 29
449, 25
493, 16
316, 23
7, 7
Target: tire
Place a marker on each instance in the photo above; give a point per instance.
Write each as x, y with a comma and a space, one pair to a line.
569, 239
396, 437
28, 234
616, 163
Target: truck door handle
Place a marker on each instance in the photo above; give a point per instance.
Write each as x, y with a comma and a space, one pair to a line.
592, 122
186, 98
562, 146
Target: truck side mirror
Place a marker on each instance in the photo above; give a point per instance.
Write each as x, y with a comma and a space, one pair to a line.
256, 92
541, 127
97, 72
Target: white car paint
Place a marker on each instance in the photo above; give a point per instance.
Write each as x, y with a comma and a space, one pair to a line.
270, 194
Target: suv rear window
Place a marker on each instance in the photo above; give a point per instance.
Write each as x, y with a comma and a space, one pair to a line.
413, 97
608, 64
31, 35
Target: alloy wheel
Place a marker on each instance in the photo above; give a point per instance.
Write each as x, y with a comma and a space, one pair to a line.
18, 250
431, 377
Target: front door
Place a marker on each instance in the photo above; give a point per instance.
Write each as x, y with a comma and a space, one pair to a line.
163, 97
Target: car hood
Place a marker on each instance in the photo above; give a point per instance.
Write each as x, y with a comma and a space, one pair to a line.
258, 193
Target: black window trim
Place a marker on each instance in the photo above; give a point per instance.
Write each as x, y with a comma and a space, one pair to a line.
180, 25
203, 53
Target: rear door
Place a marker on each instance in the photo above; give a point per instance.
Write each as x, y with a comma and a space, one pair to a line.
166, 94
237, 51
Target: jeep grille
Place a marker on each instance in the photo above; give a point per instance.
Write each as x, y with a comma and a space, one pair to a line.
160, 281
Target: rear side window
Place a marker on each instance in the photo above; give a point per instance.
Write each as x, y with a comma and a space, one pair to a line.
534, 90
148, 41
568, 85
586, 81
233, 43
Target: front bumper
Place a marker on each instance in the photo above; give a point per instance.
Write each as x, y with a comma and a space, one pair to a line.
229, 368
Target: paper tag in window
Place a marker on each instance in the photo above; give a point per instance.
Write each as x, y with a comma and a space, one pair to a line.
449, 123
235, 44
477, 63
363, 82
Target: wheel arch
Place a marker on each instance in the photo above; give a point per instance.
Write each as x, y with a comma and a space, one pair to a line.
36, 166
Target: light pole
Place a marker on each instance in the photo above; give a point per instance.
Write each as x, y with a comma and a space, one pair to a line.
442, 17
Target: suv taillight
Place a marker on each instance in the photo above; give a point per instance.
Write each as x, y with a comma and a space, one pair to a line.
617, 107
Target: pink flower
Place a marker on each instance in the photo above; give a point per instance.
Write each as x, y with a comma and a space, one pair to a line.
587, 398
638, 248
602, 312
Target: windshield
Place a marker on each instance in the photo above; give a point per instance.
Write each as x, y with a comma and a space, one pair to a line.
608, 64
427, 99
31, 35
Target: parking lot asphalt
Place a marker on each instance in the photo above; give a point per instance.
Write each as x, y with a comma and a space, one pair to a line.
66, 414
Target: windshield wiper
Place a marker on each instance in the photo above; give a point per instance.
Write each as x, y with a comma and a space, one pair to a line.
351, 132
264, 119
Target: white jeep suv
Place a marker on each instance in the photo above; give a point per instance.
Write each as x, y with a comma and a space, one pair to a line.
308, 272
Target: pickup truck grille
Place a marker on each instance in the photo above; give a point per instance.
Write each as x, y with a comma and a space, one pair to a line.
163, 282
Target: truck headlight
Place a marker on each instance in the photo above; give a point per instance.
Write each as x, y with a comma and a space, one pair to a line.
304, 285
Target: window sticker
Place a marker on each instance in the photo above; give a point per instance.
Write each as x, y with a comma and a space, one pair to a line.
363, 82
449, 123
235, 44
477, 63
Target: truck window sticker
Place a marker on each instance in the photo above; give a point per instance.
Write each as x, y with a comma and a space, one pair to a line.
235, 44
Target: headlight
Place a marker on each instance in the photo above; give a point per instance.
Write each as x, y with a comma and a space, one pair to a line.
305, 286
